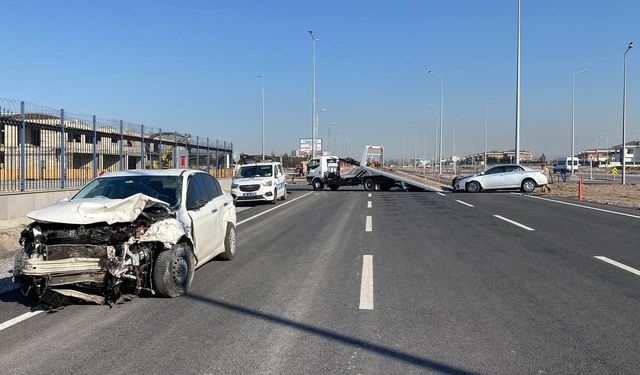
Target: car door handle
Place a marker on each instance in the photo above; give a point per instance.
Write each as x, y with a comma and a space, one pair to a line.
214, 210
226, 204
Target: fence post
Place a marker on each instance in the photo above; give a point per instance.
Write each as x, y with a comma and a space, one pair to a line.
23, 148
121, 146
95, 145
197, 152
160, 148
62, 150
217, 160
142, 147
208, 157
175, 150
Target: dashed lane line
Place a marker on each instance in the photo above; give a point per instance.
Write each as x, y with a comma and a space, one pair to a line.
368, 227
514, 222
439, 193
369, 204
366, 285
465, 203
619, 265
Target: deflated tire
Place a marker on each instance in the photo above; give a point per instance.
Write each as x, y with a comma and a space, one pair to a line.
173, 271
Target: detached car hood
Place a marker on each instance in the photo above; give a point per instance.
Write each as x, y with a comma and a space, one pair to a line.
96, 210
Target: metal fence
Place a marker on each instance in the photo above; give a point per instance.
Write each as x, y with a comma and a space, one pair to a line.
44, 148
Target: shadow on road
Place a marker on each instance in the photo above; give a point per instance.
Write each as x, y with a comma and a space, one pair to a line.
346, 340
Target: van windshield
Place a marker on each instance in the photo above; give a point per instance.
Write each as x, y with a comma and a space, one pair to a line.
251, 171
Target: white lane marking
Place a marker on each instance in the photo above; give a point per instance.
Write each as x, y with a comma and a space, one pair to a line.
367, 225
366, 285
271, 209
581, 206
19, 319
513, 222
619, 265
439, 193
465, 203
240, 209
369, 195
369, 204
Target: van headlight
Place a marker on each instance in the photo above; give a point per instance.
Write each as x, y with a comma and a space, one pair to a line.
234, 186
267, 183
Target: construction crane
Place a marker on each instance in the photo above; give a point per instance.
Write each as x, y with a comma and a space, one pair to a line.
167, 154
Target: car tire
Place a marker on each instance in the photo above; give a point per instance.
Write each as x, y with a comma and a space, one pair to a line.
472, 187
368, 184
173, 271
284, 195
528, 186
317, 184
334, 187
229, 243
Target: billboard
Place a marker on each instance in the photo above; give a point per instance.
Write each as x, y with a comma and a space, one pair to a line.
305, 146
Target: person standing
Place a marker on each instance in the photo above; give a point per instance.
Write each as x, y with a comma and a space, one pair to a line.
547, 174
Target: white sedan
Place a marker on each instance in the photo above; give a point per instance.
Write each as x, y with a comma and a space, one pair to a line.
126, 232
511, 176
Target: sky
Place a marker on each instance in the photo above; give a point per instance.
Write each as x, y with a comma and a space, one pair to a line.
191, 66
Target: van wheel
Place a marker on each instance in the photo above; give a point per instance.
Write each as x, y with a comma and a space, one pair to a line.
173, 270
275, 196
369, 185
528, 186
284, 195
317, 184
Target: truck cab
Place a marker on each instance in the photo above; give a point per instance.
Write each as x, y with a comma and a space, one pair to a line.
322, 169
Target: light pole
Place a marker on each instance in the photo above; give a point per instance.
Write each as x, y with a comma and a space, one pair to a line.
486, 116
623, 150
607, 140
517, 148
262, 79
573, 121
330, 139
313, 100
315, 128
454, 158
441, 115
435, 136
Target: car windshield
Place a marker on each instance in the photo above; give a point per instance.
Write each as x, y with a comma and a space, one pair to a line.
255, 171
164, 188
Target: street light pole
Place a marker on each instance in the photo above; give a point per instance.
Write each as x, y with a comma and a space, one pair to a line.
454, 158
315, 128
435, 137
573, 121
486, 115
517, 148
623, 150
441, 115
313, 101
262, 79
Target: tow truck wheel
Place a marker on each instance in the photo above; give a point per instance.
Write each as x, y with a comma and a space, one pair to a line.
334, 187
318, 184
173, 271
369, 185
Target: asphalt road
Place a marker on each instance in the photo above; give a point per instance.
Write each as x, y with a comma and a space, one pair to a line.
430, 283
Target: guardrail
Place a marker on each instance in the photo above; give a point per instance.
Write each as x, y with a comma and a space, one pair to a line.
45, 148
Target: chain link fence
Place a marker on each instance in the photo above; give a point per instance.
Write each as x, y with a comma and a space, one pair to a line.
42, 148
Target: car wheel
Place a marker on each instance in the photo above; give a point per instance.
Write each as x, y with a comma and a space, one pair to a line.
229, 243
369, 185
318, 184
472, 187
284, 195
275, 196
173, 271
528, 185
334, 187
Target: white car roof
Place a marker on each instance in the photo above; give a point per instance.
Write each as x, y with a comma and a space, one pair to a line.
150, 172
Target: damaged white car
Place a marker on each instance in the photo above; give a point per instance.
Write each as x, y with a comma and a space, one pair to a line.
126, 232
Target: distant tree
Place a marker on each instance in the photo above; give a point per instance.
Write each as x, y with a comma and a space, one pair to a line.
543, 157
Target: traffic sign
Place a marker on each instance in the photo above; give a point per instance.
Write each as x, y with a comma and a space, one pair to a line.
614, 171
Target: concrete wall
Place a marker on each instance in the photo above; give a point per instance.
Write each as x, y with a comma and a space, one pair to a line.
13, 205
18, 204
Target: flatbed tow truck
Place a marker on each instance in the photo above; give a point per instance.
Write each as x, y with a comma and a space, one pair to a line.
369, 172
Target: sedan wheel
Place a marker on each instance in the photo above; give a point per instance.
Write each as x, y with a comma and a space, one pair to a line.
528, 186
473, 187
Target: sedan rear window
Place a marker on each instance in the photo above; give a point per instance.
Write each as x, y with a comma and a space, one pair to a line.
164, 188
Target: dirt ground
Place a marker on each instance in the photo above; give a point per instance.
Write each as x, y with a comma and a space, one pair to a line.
10, 234
613, 194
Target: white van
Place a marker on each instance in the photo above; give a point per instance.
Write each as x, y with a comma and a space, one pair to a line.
259, 182
567, 164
